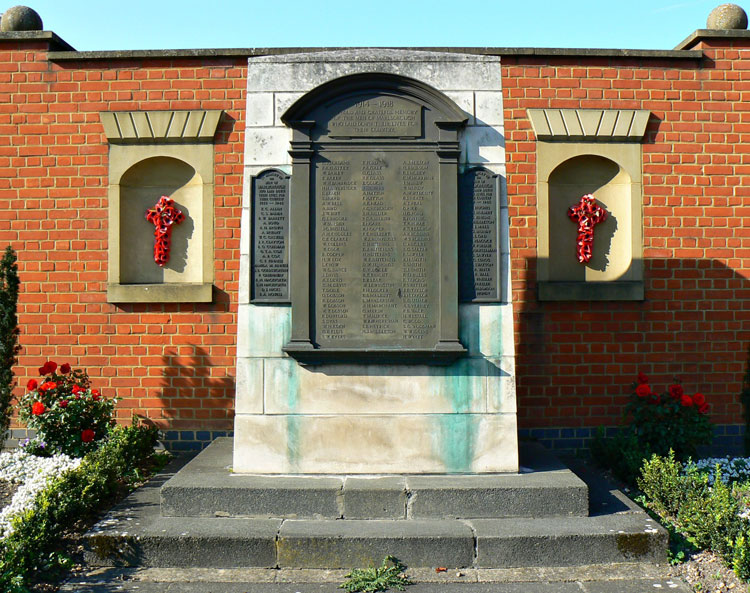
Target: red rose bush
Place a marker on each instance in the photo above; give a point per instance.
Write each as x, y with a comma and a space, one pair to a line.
671, 419
67, 414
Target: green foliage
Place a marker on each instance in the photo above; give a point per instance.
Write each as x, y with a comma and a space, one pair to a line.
72, 497
68, 415
623, 453
389, 574
9, 347
705, 511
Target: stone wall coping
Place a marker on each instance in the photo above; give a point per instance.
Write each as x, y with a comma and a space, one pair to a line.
681, 54
55, 42
702, 34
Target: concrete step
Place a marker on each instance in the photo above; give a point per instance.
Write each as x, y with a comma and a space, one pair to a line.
206, 487
135, 534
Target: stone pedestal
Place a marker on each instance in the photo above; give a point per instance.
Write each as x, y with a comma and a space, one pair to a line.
391, 414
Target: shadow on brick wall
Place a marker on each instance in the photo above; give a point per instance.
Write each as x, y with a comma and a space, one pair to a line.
576, 361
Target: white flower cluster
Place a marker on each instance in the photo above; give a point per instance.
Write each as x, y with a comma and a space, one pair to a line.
733, 469
33, 474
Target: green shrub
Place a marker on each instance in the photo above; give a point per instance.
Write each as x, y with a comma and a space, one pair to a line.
9, 347
706, 511
67, 414
72, 497
623, 453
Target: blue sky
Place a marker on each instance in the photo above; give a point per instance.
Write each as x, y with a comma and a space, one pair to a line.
169, 24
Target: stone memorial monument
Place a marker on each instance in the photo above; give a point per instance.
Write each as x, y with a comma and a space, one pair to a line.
375, 328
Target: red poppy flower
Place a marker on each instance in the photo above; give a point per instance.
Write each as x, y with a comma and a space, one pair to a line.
37, 409
642, 378
676, 391
87, 435
704, 408
686, 400
32, 384
64, 403
643, 390
65, 369
699, 399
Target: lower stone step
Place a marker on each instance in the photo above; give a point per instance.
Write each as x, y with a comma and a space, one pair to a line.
135, 534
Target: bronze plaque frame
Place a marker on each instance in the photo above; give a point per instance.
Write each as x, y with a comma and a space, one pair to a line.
412, 130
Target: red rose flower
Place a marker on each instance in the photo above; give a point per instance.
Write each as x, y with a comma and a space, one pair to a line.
676, 391
48, 367
77, 389
643, 390
95, 395
699, 399
686, 400
65, 369
704, 408
37, 409
32, 384
87, 435
64, 403
47, 385
642, 379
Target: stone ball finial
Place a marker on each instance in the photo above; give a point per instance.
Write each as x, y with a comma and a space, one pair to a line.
20, 18
727, 16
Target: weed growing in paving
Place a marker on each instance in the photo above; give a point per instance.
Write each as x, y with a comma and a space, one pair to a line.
389, 574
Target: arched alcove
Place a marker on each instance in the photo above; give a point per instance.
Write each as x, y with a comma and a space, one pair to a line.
154, 154
610, 185
141, 186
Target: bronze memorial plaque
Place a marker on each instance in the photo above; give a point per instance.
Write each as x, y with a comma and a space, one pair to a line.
478, 237
374, 230
270, 216
376, 249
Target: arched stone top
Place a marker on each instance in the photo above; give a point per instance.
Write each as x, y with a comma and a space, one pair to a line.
160, 171
589, 168
340, 89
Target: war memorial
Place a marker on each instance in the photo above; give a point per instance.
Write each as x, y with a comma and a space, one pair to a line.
369, 276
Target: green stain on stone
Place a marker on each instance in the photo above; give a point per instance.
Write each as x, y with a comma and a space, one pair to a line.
292, 420
461, 385
457, 434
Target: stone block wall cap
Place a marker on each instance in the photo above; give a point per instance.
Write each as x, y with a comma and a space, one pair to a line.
377, 54
702, 34
592, 125
274, 54
56, 44
169, 126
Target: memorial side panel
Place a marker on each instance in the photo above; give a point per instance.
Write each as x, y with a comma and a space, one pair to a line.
376, 281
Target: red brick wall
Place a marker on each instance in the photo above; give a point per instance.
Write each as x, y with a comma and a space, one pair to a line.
576, 361
172, 363
175, 363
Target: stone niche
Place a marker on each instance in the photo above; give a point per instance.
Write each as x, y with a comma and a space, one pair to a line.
154, 154
376, 364
595, 152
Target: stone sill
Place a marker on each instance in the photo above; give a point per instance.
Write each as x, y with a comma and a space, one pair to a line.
310, 356
590, 291
160, 293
